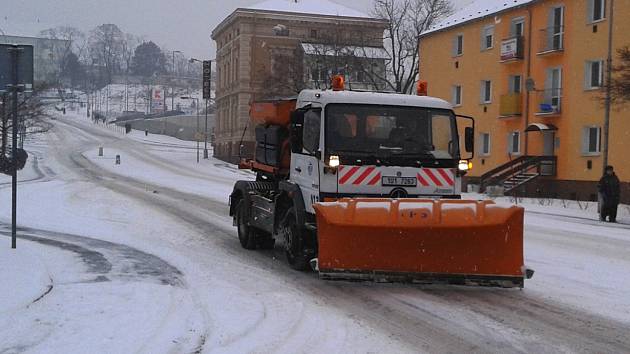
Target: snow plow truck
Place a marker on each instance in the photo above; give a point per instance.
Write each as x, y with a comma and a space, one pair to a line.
367, 186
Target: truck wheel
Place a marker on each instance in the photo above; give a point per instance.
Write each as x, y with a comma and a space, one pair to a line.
246, 233
297, 258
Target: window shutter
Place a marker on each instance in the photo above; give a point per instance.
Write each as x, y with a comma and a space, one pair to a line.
587, 75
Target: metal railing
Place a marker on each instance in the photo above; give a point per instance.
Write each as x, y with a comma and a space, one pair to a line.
549, 101
544, 166
551, 39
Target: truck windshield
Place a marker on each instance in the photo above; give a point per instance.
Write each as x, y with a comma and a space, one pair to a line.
390, 130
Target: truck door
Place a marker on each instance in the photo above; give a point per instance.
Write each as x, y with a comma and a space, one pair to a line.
305, 166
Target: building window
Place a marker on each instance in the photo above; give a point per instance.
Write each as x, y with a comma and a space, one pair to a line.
592, 140
486, 91
458, 45
516, 83
457, 95
596, 10
517, 27
487, 38
594, 74
313, 33
485, 144
514, 143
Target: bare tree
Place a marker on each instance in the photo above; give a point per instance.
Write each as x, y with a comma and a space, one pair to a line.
128, 47
68, 40
106, 45
285, 75
407, 19
620, 80
33, 119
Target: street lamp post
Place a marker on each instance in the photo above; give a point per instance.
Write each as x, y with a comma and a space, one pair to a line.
172, 87
197, 131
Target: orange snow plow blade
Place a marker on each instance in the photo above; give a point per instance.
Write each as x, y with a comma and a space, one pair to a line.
420, 240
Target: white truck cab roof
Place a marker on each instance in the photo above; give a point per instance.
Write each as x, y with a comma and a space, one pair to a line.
321, 98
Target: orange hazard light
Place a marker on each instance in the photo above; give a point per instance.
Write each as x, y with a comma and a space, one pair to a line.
338, 83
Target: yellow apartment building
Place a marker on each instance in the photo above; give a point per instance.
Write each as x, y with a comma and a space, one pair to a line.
531, 72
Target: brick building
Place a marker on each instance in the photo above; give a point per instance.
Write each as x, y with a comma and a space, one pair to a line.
278, 47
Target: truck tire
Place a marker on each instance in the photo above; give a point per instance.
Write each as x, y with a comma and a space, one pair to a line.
297, 258
246, 233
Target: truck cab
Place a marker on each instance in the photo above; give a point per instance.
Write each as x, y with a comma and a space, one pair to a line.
348, 144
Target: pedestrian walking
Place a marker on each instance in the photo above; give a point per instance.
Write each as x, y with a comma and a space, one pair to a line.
609, 191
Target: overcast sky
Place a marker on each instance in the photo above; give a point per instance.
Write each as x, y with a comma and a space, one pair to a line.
177, 25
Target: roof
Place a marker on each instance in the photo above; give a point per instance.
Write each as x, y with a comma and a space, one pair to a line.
476, 10
375, 98
358, 51
315, 7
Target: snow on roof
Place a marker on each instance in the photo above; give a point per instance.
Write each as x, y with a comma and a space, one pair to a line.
316, 7
476, 10
328, 50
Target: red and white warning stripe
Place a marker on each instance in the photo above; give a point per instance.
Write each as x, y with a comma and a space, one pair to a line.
436, 177
371, 176
359, 175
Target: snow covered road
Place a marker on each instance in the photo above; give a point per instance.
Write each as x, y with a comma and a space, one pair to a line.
161, 207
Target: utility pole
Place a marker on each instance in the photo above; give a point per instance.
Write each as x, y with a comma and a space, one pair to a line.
609, 62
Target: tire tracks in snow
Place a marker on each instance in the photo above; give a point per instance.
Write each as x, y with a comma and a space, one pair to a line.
426, 318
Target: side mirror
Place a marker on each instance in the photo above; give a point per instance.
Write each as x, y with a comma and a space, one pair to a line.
296, 131
469, 136
466, 132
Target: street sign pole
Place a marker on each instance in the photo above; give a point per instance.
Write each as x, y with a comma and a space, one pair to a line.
15, 55
205, 135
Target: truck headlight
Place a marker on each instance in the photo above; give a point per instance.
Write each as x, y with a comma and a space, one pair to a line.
333, 161
464, 165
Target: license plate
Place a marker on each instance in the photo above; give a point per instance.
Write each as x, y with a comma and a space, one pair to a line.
400, 181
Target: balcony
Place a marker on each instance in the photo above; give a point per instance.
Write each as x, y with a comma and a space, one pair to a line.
511, 105
549, 102
512, 49
551, 40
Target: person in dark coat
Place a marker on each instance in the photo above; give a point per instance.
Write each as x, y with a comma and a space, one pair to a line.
610, 193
